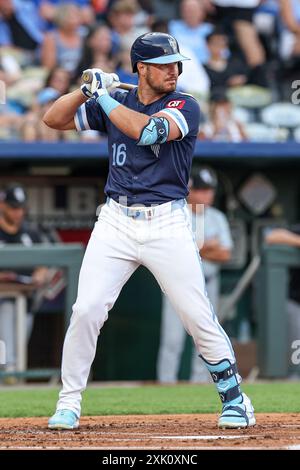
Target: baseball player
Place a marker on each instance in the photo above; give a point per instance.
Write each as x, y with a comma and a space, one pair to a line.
151, 132
213, 238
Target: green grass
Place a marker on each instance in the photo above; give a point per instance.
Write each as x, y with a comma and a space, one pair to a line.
269, 397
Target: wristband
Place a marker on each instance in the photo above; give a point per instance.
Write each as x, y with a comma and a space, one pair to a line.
107, 103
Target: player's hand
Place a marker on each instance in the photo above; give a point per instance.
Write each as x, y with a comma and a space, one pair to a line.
99, 83
107, 80
40, 276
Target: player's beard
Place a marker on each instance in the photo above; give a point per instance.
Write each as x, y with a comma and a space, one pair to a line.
160, 88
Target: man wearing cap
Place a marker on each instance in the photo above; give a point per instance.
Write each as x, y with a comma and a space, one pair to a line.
214, 241
13, 229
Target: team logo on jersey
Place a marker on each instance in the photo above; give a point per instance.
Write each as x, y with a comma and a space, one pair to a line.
178, 104
155, 149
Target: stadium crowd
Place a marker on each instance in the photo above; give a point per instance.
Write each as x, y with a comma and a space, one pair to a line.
245, 55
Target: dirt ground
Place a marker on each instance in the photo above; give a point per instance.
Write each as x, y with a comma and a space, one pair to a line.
273, 431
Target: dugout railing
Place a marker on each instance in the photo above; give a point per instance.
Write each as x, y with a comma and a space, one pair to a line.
66, 256
274, 350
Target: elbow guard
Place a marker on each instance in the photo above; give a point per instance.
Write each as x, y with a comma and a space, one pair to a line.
155, 132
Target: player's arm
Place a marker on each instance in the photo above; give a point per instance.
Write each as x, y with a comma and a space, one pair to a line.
61, 114
146, 130
179, 118
212, 250
281, 236
219, 248
67, 113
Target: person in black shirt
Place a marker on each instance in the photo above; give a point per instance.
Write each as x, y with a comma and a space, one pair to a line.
14, 229
21, 28
223, 70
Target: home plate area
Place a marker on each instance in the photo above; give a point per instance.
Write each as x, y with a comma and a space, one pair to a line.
273, 431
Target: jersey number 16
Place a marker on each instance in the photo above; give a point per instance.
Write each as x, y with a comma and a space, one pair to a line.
119, 154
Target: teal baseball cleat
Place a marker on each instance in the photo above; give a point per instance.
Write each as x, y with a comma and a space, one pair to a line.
63, 419
240, 415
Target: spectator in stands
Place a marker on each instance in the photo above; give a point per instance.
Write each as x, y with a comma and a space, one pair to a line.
222, 126
8, 77
100, 8
121, 18
21, 29
266, 22
10, 70
214, 241
159, 26
97, 50
194, 78
191, 30
33, 128
290, 237
165, 9
59, 79
48, 10
238, 17
14, 229
290, 33
10, 125
124, 67
63, 46
223, 69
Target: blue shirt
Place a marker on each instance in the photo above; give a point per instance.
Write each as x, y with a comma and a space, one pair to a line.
192, 38
26, 14
79, 3
152, 174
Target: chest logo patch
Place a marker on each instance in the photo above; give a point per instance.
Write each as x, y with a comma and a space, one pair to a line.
178, 104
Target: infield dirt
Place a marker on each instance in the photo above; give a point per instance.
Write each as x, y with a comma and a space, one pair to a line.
273, 431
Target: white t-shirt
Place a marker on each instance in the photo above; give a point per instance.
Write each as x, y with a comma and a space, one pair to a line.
237, 3
194, 78
212, 224
230, 133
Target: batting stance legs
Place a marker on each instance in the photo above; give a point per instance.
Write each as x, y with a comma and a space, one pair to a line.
161, 240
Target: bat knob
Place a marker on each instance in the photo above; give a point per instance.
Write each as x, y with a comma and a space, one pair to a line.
87, 77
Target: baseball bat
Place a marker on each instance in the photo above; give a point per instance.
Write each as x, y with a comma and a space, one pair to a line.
87, 77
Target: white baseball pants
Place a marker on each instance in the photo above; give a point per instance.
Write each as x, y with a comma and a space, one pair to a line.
161, 239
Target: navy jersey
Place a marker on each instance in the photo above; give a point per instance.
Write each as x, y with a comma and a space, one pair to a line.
152, 174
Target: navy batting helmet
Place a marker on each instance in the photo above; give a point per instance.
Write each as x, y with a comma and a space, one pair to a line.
156, 48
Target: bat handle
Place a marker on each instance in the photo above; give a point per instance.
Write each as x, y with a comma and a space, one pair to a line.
126, 86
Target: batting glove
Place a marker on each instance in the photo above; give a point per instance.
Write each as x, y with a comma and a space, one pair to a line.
99, 84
